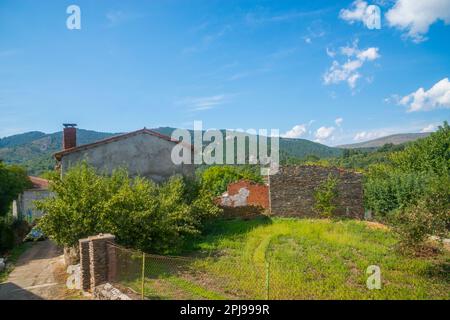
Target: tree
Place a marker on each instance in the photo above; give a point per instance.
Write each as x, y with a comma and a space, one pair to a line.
138, 212
430, 216
325, 196
430, 154
216, 179
413, 190
13, 181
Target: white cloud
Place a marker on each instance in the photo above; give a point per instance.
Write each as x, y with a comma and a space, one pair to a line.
415, 17
369, 54
429, 128
323, 133
117, 17
339, 121
296, 132
204, 103
435, 98
369, 135
348, 71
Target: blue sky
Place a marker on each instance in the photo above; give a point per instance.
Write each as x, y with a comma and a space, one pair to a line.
312, 69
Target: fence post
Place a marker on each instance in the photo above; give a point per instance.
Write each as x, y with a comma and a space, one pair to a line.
267, 279
143, 275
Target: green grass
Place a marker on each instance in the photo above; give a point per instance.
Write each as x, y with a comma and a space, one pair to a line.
13, 255
308, 259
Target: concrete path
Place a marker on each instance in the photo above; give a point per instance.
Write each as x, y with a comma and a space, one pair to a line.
39, 274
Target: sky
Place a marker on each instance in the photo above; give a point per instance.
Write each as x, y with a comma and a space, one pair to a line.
319, 70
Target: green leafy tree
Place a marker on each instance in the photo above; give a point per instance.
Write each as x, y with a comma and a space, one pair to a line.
325, 196
429, 216
215, 179
138, 212
431, 154
13, 181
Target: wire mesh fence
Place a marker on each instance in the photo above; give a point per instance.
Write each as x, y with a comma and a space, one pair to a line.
211, 277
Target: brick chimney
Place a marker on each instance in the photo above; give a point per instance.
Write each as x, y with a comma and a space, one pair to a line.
69, 136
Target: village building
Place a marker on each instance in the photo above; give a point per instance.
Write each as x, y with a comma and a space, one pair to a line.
144, 153
23, 206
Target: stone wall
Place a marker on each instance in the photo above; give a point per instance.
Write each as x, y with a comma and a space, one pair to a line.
98, 269
292, 191
95, 261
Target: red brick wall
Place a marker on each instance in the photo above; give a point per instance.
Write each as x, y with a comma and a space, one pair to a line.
259, 193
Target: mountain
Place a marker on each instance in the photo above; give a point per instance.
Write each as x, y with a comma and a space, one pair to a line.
394, 139
34, 150
19, 139
298, 148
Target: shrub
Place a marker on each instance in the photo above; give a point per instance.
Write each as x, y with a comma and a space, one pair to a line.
325, 196
13, 181
138, 212
12, 232
386, 189
393, 187
430, 216
216, 179
431, 154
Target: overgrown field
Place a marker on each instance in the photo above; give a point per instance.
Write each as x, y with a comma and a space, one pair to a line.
293, 259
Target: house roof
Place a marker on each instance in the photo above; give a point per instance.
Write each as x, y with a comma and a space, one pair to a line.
38, 183
61, 154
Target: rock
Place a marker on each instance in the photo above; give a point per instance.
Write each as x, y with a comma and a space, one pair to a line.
71, 256
108, 292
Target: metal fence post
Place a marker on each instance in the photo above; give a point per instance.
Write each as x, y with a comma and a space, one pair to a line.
143, 275
267, 279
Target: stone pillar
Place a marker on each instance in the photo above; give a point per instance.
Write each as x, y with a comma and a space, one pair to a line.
95, 259
85, 265
99, 258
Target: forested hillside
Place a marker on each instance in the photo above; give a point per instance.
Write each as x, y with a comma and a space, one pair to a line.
34, 150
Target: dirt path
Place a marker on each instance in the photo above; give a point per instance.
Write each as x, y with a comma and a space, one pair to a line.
39, 274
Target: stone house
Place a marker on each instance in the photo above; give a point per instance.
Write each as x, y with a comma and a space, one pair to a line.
23, 206
143, 152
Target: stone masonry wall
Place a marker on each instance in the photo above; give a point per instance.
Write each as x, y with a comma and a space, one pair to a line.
85, 265
292, 191
95, 261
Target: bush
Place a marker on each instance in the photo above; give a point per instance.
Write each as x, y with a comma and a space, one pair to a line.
385, 192
138, 212
410, 174
12, 232
325, 196
430, 216
217, 178
13, 181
